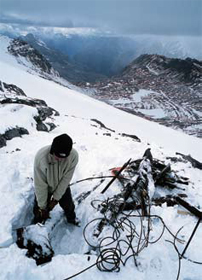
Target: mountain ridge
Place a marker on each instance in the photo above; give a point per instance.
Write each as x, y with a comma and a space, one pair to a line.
72, 72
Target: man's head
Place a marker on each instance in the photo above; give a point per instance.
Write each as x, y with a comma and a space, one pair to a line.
61, 146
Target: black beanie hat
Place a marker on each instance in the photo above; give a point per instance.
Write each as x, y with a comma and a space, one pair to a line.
61, 146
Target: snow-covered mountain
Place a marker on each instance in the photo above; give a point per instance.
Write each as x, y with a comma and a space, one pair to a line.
102, 137
165, 90
73, 72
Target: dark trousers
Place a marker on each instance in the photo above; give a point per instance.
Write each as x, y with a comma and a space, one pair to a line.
66, 202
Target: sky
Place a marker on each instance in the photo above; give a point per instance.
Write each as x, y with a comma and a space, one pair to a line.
167, 17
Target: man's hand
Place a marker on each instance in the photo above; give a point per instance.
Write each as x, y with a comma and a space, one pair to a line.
44, 214
52, 204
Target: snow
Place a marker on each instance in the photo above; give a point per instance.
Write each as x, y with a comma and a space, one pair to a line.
97, 154
17, 113
141, 94
152, 70
157, 113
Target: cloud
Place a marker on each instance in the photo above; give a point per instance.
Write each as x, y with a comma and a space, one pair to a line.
168, 17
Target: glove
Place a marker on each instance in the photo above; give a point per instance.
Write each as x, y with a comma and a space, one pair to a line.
53, 202
44, 214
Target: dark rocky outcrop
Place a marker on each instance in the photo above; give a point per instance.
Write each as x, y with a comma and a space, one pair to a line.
15, 132
109, 131
10, 88
2, 141
74, 72
11, 94
11, 133
20, 48
45, 127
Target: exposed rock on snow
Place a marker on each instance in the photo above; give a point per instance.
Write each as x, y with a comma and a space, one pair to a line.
15, 132
2, 141
9, 96
107, 129
9, 88
20, 48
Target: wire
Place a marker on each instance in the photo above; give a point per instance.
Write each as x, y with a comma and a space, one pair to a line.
81, 271
90, 178
135, 240
127, 238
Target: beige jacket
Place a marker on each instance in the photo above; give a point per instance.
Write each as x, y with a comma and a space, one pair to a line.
52, 176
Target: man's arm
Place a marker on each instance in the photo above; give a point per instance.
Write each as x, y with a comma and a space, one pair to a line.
41, 186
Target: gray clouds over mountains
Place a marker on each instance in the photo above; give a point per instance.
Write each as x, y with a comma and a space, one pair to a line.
168, 17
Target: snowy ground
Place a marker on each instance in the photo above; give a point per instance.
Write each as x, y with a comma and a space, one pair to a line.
97, 154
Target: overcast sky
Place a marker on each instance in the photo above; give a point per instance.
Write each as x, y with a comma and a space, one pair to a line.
168, 17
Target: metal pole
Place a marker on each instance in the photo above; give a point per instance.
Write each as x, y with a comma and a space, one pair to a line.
192, 235
118, 173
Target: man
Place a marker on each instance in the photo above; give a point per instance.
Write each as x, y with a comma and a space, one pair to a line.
54, 167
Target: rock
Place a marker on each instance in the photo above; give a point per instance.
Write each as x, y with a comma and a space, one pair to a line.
28, 101
102, 125
10, 88
15, 132
41, 126
134, 137
2, 141
1, 87
51, 126
45, 126
11, 94
43, 113
21, 48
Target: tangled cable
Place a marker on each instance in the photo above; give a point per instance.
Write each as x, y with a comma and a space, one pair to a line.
126, 240
181, 255
130, 233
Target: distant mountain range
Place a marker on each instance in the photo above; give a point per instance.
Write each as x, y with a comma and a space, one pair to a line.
88, 55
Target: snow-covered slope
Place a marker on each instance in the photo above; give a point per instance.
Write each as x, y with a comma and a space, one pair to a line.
98, 152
